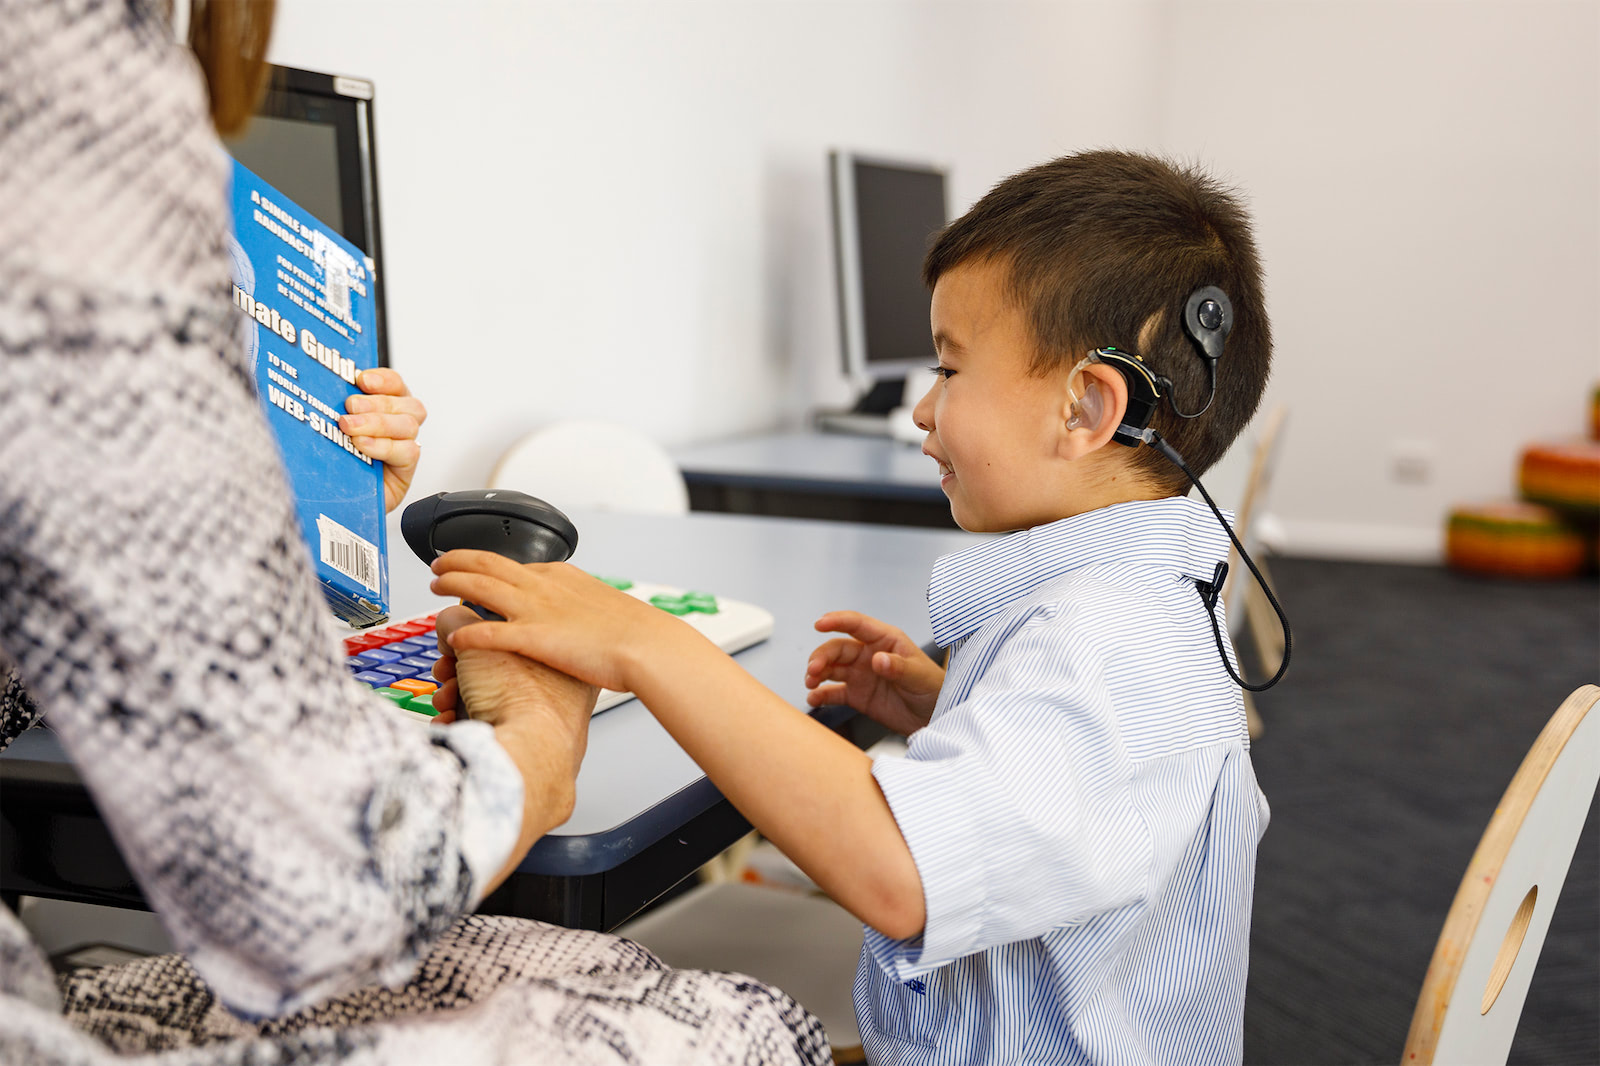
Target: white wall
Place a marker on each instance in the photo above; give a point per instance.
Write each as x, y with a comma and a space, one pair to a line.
1426, 179
620, 208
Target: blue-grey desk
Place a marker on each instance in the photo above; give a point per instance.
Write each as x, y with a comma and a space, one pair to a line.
817, 475
646, 817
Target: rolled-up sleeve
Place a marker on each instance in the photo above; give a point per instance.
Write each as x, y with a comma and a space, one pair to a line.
1016, 804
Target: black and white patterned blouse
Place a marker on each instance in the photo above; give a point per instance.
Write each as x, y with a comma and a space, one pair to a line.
298, 839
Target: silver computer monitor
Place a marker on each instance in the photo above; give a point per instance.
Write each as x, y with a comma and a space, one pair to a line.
884, 214
312, 140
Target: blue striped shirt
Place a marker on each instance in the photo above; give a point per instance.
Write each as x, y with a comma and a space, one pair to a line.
1081, 808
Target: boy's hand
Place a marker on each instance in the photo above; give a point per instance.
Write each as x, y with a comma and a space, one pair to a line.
383, 425
876, 670
554, 613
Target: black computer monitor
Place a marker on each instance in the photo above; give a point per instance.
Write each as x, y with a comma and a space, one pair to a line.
312, 138
884, 214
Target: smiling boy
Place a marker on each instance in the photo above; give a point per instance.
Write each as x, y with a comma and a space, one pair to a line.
1061, 868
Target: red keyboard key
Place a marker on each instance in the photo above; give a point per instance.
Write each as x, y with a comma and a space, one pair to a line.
357, 645
413, 629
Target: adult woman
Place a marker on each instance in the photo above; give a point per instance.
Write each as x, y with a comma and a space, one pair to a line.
299, 842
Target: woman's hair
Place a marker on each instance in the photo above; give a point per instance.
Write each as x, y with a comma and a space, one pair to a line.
229, 37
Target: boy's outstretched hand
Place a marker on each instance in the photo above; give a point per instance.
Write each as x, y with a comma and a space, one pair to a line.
874, 668
554, 613
808, 789
383, 424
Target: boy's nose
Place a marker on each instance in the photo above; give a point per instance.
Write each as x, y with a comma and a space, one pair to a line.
922, 414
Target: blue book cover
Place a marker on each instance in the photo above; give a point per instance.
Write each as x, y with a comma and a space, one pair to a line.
307, 293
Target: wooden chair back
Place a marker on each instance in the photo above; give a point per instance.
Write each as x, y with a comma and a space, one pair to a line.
1473, 993
1252, 501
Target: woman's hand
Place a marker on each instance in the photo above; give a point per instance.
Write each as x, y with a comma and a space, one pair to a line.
383, 424
876, 669
540, 717
554, 613
497, 687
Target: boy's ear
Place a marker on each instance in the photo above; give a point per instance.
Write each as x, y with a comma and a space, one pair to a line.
1088, 424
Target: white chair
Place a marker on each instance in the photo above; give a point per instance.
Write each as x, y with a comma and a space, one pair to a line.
592, 465
1473, 993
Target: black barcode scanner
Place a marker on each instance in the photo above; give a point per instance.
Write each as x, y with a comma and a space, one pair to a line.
513, 524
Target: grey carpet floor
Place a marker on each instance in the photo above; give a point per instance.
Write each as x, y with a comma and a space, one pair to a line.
1413, 695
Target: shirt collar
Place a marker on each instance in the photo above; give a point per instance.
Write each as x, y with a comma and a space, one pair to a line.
1174, 535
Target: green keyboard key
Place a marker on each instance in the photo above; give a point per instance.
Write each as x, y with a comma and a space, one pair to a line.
671, 604
703, 602
399, 695
621, 584
421, 704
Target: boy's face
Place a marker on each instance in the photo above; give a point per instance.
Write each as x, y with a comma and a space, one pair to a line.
994, 428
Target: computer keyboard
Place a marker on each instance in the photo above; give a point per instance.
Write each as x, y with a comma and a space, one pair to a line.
397, 660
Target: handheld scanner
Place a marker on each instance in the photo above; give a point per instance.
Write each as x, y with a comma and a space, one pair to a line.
514, 524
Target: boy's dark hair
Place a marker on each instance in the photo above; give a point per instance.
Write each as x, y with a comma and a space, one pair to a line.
1098, 245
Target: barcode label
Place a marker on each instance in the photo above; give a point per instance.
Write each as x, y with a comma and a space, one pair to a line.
347, 552
336, 288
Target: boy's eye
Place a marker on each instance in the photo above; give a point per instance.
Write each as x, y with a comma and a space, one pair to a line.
941, 371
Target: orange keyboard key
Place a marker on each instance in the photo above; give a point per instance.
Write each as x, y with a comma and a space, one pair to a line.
415, 685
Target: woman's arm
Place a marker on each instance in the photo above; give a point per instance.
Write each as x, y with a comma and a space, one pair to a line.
297, 837
540, 717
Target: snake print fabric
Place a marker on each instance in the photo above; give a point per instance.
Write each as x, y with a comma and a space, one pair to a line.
155, 596
299, 840
593, 998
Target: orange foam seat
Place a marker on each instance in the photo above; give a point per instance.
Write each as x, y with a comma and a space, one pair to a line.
1515, 540
1564, 474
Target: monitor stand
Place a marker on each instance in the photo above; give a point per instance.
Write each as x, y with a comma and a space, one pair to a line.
870, 415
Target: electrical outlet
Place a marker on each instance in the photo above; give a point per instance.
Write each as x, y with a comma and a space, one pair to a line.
1411, 462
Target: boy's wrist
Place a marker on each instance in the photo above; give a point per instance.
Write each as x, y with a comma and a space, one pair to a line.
666, 650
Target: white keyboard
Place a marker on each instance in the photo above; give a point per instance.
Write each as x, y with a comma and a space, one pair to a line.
732, 626
397, 659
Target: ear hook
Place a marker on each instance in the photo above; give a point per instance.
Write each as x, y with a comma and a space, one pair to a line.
1088, 411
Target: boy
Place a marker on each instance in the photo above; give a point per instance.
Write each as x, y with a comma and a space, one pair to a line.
1061, 868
